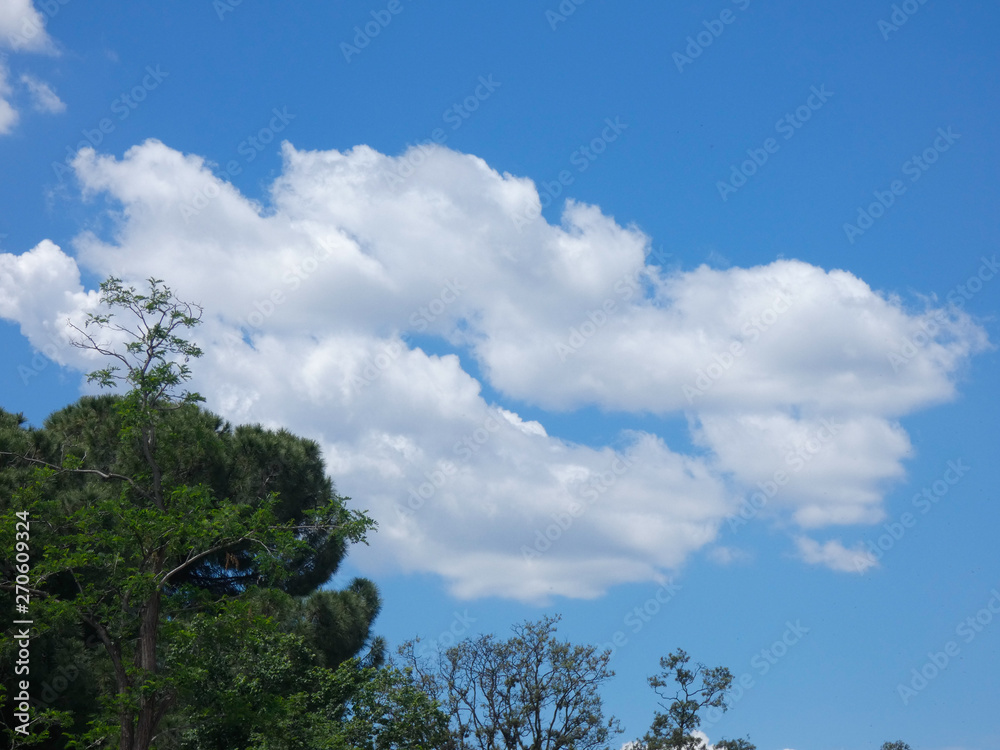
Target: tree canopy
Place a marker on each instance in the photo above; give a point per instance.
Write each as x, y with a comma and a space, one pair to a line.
528, 692
156, 529
678, 683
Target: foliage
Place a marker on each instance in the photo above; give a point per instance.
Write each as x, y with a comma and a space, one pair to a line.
249, 682
530, 692
134, 527
674, 730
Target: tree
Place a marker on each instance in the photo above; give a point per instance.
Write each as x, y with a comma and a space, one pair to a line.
530, 692
130, 535
897, 745
674, 730
250, 681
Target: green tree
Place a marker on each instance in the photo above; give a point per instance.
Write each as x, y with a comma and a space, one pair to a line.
674, 729
897, 745
249, 680
530, 692
145, 510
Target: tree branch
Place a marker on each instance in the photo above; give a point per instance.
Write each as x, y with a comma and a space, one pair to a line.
64, 470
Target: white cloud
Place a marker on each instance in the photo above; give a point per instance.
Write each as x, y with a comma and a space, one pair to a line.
834, 555
310, 303
22, 27
8, 115
43, 98
41, 290
729, 555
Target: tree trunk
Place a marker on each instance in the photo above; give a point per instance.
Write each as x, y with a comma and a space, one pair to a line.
138, 727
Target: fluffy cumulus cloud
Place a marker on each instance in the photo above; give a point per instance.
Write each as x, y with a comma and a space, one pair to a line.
22, 27
321, 307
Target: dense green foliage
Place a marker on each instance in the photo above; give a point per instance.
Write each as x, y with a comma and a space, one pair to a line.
156, 530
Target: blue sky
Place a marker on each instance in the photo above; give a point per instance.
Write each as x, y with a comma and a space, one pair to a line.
705, 292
